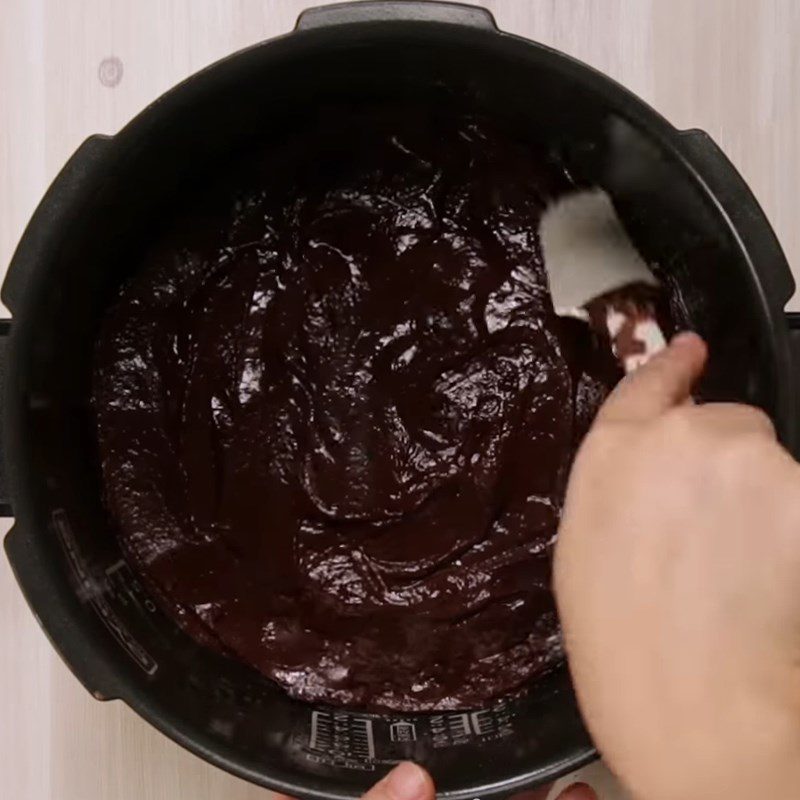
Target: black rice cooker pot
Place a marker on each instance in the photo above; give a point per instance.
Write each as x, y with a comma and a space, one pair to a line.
684, 203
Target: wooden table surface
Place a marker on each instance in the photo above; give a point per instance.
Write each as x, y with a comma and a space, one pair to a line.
69, 69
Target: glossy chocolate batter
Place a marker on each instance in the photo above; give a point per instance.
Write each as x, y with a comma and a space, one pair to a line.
336, 413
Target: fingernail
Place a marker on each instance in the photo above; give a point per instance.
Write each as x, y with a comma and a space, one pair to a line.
578, 791
406, 781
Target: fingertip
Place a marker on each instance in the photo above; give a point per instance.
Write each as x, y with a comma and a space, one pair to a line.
578, 791
664, 381
409, 781
691, 341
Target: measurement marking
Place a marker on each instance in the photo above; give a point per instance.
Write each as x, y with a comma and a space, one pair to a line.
314, 730
459, 724
403, 732
482, 722
68, 541
342, 735
106, 613
365, 735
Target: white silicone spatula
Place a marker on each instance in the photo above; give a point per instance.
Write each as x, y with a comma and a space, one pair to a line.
595, 273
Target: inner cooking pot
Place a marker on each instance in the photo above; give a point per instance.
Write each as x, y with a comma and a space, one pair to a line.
685, 205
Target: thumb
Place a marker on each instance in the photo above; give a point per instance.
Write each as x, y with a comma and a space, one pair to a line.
662, 383
407, 781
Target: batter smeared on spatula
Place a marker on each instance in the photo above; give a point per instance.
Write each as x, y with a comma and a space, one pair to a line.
595, 273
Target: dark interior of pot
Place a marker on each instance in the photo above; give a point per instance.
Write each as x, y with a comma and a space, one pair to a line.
222, 709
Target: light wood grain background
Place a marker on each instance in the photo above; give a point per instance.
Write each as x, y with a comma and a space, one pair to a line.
69, 69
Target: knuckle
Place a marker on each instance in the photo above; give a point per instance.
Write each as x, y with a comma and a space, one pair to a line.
680, 424
738, 417
758, 417
602, 440
740, 454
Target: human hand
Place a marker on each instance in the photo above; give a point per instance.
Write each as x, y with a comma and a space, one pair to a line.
677, 575
409, 781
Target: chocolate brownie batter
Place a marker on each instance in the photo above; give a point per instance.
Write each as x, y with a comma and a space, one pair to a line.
336, 413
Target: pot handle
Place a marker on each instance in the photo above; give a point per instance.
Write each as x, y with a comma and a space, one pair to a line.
793, 321
41, 238
5, 501
396, 11
29, 555
746, 216
751, 225
82, 652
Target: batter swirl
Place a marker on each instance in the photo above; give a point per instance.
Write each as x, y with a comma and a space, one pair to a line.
336, 413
